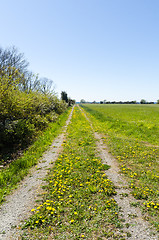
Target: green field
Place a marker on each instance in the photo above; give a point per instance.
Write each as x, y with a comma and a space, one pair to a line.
133, 121
132, 134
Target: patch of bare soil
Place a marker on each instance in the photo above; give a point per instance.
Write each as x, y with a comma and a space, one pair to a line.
134, 223
18, 206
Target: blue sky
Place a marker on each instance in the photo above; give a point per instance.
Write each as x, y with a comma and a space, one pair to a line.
92, 49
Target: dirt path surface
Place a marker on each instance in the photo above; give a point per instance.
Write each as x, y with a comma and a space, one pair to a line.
136, 225
18, 205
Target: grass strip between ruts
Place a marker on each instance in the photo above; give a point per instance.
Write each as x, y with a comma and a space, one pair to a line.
10, 176
78, 201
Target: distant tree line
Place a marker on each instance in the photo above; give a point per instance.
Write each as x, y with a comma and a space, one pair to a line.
143, 101
120, 102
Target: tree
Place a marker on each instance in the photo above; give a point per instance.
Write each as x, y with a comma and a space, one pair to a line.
11, 58
143, 101
71, 102
29, 82
64, 96
46, 85
82, 101
14, 65
158, 101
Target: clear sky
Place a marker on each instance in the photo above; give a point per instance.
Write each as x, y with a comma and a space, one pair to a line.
92, 49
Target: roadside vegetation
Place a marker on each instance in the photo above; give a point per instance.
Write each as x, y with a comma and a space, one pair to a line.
78, 199
27, 104
132, 134
17, 169
31, 115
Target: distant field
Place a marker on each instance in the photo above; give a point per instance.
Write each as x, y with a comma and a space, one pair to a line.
132, 134
135, 121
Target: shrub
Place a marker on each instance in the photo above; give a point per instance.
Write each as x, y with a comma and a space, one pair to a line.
22, 114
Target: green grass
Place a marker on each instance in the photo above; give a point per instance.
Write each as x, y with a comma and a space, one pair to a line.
78, 201
138, 122
15, 172
132, 134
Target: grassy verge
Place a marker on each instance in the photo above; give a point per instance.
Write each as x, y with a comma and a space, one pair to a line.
15, 172
78, 202
138, 157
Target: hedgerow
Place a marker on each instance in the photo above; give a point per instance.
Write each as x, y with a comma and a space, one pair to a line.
23, 114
